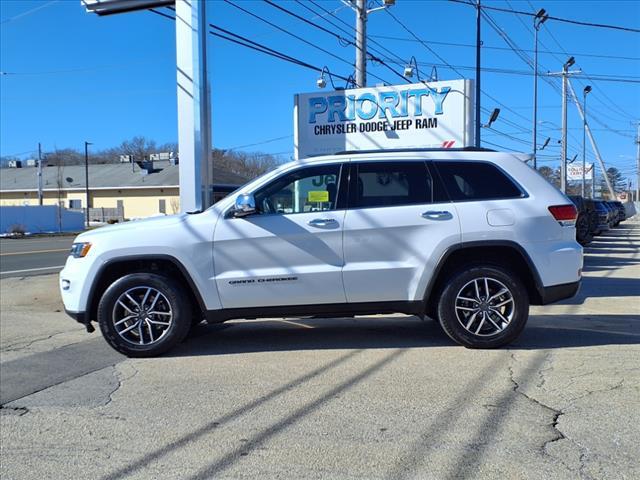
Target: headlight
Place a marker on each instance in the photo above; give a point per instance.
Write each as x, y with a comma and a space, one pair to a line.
79, 250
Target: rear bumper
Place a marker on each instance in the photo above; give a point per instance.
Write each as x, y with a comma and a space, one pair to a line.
556, 293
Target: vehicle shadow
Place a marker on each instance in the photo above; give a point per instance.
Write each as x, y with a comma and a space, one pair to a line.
382, 332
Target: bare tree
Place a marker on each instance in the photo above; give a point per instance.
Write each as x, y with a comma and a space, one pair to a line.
174, 204
138, 147
247, 165
65, 156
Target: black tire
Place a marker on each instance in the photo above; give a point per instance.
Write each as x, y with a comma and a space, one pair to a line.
174, 298
451, 313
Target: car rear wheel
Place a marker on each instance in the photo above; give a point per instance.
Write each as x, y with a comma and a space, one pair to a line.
483, 307
144, 314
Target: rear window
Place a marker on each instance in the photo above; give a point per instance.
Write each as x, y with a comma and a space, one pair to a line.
476, 181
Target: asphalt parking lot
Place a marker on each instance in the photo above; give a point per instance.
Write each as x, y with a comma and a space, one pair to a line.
372, 397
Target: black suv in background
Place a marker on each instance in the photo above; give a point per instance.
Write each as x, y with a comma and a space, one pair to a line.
622, 213
584, 234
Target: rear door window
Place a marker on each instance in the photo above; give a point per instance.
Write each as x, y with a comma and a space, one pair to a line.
476, 181
388, 184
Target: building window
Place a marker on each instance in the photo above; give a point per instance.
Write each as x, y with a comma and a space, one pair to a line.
162, 205
75, 204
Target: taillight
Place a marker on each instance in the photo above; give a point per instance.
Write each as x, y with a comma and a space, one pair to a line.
565, 214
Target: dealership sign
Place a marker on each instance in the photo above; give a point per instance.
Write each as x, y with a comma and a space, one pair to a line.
419, 115
574, 171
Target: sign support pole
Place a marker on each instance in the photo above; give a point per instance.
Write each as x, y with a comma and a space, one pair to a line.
194, 111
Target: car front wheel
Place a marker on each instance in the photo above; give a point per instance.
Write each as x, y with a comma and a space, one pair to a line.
483, 307
144, 314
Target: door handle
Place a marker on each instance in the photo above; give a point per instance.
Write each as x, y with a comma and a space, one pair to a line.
322, 222
437, 215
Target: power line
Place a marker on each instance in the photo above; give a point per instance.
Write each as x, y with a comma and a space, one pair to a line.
277, 27
28, 12
506, 71
333, 34
408, 30
260, 143
590, 78
490, 47
557, 19
245, 42
351, 30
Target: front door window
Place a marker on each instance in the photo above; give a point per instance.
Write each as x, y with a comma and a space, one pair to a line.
311, 189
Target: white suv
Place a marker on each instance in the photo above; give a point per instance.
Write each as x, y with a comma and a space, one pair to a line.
469, 237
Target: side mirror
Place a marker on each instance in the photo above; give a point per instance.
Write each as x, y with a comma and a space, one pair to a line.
245, 205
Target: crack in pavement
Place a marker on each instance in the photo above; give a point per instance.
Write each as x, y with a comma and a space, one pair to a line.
121, 378
558, 434
17, 346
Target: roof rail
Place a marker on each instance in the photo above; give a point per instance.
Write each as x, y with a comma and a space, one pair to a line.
400, 150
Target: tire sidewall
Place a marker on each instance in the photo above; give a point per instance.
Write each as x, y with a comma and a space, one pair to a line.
180, 307
450, 322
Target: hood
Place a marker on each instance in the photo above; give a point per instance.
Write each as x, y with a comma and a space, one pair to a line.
126, 227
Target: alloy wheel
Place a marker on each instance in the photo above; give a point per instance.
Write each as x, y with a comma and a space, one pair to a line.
484, 306
142, 315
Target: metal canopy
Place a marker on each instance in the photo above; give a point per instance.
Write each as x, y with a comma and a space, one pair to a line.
110, 7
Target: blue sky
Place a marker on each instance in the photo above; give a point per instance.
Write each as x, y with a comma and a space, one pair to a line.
72, 76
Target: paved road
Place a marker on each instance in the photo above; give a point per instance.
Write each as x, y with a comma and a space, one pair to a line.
374, 397
33, 256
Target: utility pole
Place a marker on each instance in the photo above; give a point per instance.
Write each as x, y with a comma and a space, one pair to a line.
563, 159
40, 195
592, 140
563, 165
361, 43
478, 92
586, 90
86, 178
538, 20
360, 8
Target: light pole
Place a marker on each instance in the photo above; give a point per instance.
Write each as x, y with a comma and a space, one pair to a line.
86, 177
638, 166
586, 90
538, 20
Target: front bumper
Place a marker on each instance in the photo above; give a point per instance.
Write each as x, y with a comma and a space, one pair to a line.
556, 293
81, 317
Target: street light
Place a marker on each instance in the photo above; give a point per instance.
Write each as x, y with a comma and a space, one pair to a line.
544, 145
538, 20
569, 62
586, 90
86, 177
411, 68
493, 118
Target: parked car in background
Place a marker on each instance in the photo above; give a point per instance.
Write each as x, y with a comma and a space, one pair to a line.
613, 212
603, 216
593, 215
622, 213
583, 230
